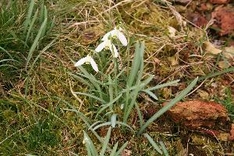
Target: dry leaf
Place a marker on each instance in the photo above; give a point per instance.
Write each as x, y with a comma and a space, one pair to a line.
172, 31
177, 15
156, 60
91, 35
223, 136
210, 48
223, 64
174, 60
229, 52
166, 92
203, 94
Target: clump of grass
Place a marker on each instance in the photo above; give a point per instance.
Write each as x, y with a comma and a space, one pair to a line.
92, 151
228, 102
112, 91
44, 107
27, 128
23, 27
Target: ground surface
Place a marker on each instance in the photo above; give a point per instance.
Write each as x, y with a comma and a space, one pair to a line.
183, 40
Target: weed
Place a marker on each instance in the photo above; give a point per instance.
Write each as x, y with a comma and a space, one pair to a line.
21, 35
50, 107
228, 102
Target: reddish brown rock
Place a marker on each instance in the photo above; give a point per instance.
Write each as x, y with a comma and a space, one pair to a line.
219, 1
196, 114
224, 20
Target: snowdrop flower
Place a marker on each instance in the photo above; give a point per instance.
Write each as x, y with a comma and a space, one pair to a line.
118, 34
88, 60
107, 44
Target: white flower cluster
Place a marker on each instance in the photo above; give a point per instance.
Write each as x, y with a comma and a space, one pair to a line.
106, 43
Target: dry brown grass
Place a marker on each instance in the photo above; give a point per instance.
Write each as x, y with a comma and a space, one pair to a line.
79, 27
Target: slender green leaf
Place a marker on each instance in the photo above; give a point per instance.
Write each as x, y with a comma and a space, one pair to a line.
102, 125
128, 107
111, 91
43, 13
113, 152
135, 65
141, 66
36, 42
124, 124
44, 16
105, 143
90, 95
113, 120
139, 113
106, 105
94, 124
132, 97
172, 83
29, 15
8, 65
153, 143
164, 149
83, 117
121, 149
80, 115
211, 75
7, 60
109, 124
31, 24
1, 48
146, 81
84, 81
92, 151
93, 80
41, 52
151, 94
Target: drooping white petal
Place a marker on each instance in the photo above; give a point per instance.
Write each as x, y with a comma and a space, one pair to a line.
93, 64
107, 35
114, 51
88, 59
122, 38
116, 32
101, 46
81, 61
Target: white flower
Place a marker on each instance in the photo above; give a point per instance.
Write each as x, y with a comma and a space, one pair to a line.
116, 33
88, 60
107, 44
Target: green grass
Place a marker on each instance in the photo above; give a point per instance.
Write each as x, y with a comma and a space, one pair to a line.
48, 107
227, 101
23, 27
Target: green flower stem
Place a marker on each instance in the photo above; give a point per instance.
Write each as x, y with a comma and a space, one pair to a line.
116, 71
